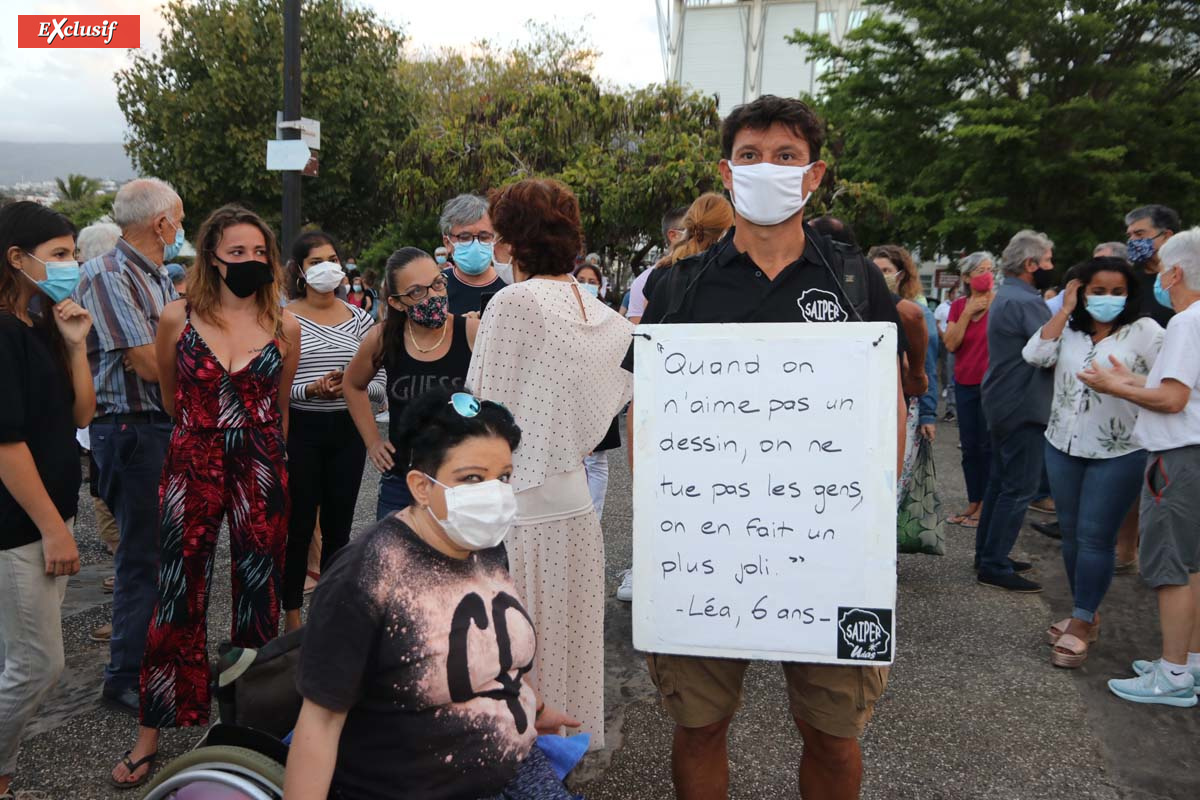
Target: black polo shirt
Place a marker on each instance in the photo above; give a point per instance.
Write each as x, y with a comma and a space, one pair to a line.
724, 284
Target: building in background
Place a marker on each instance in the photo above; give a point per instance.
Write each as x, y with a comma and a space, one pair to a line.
738, 49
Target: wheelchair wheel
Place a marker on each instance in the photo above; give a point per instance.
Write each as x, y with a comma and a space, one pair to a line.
247, 765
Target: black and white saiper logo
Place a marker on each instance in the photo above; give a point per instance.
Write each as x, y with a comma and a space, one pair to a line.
865, 634
821, 305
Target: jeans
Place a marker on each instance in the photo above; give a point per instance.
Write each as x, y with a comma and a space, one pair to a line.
393, 495
325, 467
130, 458
1092, 496
948, 382
975, 441
596, 466
31, 642
1016, 471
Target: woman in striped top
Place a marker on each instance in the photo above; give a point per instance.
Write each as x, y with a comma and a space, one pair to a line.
325, 453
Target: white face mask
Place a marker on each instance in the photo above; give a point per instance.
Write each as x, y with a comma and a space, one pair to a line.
324, 277
768, 194
478, 515
505, 271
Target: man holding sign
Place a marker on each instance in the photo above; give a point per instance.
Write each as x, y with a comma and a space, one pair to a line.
769, 269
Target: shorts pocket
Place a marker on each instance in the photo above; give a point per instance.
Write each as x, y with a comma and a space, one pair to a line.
661, 673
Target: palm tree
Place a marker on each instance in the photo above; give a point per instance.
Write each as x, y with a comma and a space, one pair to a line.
77, 187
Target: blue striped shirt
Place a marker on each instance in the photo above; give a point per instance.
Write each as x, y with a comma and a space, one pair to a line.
125, 293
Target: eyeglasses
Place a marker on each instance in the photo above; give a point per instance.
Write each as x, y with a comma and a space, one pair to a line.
467, 405
418, 293
484, 237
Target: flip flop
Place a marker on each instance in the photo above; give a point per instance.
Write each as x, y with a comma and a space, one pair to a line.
1126, 567
134, 766
1059, 629
1069, 652
958, 519
969, 522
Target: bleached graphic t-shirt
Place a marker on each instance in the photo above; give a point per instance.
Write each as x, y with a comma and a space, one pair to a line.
428, 656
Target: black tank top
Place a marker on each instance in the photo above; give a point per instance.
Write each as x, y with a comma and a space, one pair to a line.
408, 378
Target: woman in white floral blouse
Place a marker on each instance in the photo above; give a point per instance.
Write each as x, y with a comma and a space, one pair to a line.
1095, 467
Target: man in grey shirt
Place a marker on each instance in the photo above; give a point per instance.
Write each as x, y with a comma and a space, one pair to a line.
1016, 403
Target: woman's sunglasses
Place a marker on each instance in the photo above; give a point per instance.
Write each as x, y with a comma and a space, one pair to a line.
467, 405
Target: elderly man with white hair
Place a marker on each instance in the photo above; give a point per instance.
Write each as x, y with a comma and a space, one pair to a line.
1016, 403
1168, 428
125, 290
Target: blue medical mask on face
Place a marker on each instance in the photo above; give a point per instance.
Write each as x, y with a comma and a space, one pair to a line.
474, 257
1141, 250
171, 250
1105, 307
1160, 294
61, 279
440, 259
591, 289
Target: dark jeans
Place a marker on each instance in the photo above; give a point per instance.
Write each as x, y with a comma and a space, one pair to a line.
130, 461
393, 495
325, 467
975, 441
1016, 472
1092, 496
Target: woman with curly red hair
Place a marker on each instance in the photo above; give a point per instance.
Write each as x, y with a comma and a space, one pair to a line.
552, 355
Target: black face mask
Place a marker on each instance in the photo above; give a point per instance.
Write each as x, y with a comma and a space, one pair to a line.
244, 278
1043, 279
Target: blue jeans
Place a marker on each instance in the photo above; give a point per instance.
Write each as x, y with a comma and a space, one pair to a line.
973, 436
1016, 472
393, 495
130, 461
1092, 495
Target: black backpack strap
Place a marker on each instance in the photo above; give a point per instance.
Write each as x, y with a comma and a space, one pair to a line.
850, 266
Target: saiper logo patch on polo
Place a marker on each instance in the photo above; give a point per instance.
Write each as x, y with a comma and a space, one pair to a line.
820, 305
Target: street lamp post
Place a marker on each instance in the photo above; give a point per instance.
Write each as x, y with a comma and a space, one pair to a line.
291, 111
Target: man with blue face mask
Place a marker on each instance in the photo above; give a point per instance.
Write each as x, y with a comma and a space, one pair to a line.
1148, 229
470, 239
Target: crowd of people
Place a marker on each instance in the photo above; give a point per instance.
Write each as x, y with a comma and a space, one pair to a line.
440, 642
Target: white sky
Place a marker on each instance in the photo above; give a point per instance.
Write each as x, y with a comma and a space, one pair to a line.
69, 95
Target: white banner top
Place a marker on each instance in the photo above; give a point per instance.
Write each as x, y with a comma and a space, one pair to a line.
764, 501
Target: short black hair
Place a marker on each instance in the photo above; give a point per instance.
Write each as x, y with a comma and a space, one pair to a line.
836, 229
1162, 217
430, 427
673, 219
1081, 320
769, 110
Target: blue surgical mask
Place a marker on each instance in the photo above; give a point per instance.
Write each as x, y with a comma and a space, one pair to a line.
1160, 294
591, 289
171, 250
474, 257
1141, 250
440, 259
1105, 307
61, 279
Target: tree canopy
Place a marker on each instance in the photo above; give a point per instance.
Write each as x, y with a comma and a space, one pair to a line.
955, 123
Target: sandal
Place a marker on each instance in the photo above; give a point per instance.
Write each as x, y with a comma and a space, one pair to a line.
134, 766
108, 583
1069, 652
310, 581
970, 522
1126, 567
1059, 630
958, 519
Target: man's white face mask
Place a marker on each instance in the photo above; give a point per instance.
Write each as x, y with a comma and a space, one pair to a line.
768, 194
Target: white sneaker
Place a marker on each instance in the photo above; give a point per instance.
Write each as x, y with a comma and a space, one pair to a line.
625, 590
1142, 666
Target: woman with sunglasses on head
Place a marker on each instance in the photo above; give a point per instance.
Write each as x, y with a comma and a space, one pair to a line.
416, 656
325, 452
226, 357
420, 346
551, 353
45, 394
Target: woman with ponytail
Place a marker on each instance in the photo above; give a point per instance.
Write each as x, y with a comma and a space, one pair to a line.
420, 346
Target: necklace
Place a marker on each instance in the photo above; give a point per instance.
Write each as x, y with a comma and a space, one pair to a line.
412, 337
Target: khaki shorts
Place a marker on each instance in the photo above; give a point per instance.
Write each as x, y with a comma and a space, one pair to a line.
833, 699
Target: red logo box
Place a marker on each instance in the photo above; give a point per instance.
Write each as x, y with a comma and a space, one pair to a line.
78, 30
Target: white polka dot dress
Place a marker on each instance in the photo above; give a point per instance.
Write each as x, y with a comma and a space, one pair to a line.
561, 378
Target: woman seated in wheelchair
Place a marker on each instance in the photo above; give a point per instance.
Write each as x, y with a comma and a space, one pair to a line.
417, 646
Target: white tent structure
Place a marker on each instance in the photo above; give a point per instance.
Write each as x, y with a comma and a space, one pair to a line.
738, 49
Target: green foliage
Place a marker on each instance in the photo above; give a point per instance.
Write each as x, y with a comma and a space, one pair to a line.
201, 110
76, 187
954, 123
86, 209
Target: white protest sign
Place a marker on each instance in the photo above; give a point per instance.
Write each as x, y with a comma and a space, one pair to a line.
764, 503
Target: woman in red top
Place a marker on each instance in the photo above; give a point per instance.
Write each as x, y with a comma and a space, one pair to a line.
966, 337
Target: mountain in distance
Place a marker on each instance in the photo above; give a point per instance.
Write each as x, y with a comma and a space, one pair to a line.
38, 162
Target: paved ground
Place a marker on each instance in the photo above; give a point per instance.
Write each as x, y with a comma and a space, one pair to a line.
974, 710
